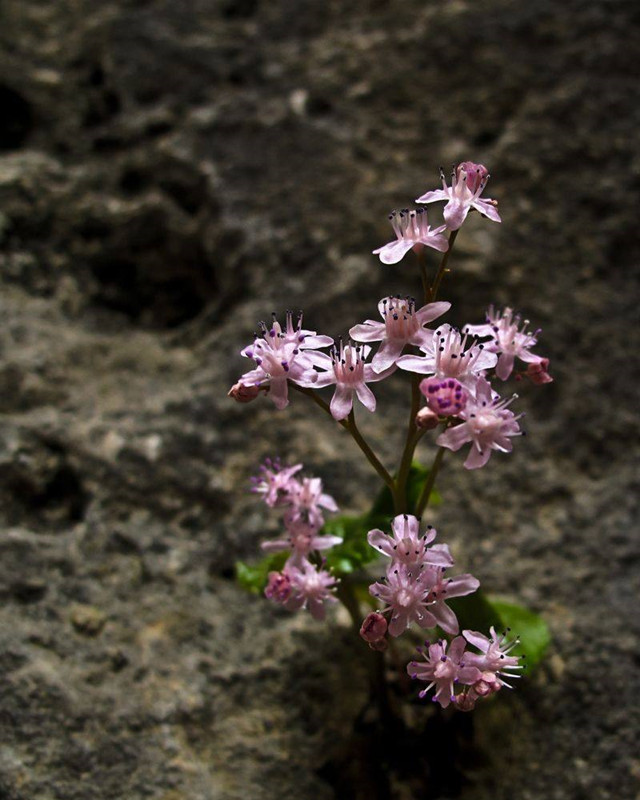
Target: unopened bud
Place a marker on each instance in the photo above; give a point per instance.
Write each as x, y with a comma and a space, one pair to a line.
475, 174
278, 587
466, 701
426, 419
242, 393
447, 397
537, 372
488, 684
373, 628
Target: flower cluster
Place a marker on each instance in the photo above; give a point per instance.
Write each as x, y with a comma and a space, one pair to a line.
415, 588
447, 666
453, 373
300, 583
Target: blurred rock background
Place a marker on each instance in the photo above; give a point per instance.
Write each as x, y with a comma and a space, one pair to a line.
170, 173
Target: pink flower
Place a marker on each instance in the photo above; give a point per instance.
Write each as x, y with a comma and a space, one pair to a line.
311, 588
351, 375
275, 482
412, 231
446, 357
402, 325
488, 424
405, 596
444, 669
284, 356
494, 661
510, 339
446, 397
537, 372
441, 589
307, 498
301, 539
467, 184
407, 546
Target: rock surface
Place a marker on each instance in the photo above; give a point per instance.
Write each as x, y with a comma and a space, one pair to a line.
170, 172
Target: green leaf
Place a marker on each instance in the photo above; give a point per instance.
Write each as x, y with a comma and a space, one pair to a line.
254, 578
354, 551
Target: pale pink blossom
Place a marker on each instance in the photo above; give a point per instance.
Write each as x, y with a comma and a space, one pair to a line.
445, 665
408, 546
301, 539
468, 181
275, 482
405, 598
412, 231
445, 397
441, 589
447, 356
311, 588
510, 339
403, 325
307, 499
494, 660
350, 374
487, 423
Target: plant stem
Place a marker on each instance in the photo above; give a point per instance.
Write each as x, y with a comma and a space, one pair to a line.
432, 293
349, 424
401, 499
428, 487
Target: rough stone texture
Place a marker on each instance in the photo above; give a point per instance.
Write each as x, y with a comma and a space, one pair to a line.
169, 173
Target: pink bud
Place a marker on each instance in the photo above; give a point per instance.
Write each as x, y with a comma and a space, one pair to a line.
466, 701
426, 419
278, 587
242, 393
488, 684
445, 397
373, 628
537, 372
476, 174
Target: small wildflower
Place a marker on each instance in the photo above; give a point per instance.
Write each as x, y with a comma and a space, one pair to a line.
494, 661
510, 339
311, 588
444, 669
447, 356
403, 325
468, 181
307, 499
412, 231
351, 375
407, 546
487, 423
405, 598
275, 482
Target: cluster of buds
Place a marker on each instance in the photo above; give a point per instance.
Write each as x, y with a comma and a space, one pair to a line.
300, 583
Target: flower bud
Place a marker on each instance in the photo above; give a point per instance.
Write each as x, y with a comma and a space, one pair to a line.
373, 628
445, 397
242, 393
537, 372
278, 587
475, 174
426, 419
488, 684
466, 701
